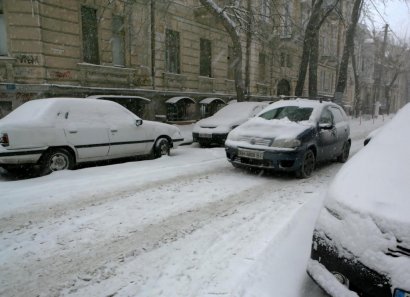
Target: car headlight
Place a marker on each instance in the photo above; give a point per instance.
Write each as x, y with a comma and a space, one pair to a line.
286, 143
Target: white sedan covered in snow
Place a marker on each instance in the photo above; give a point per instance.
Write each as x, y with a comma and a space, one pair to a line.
214, 129
57, 133
361, 242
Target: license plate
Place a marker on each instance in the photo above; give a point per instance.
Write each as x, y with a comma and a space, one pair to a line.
250, 154
202, 135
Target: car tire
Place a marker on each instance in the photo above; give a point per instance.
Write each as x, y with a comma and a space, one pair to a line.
342, 158
161, 147
308, 165
56, 160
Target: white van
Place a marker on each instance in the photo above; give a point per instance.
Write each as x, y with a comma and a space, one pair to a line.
57, 133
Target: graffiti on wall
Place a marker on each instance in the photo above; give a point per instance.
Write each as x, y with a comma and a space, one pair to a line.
27, 59
61, 74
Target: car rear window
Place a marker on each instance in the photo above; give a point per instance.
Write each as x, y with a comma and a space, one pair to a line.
293, 113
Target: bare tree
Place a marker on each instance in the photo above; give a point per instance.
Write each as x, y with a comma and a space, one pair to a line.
347, 50
310, 51
233, 18
396, 63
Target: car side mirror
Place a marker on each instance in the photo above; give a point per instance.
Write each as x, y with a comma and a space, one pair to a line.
325, 126
138, 122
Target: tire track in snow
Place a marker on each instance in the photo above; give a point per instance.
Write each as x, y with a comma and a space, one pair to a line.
24, 220
97, 260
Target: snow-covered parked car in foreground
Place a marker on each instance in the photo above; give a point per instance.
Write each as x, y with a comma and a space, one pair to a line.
57, 133
361, 241
214, 129
291, 135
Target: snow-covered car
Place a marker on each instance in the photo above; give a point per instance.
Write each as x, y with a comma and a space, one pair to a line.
57, 133
361, 241
214, 129
291, 135
371, 135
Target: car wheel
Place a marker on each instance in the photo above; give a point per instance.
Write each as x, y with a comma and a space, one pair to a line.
161, 148
308, 165
342, 158
56, 160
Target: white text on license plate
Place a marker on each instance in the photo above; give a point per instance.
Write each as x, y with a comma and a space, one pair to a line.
250, 154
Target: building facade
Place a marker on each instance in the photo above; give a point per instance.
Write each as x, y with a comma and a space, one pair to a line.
158, 49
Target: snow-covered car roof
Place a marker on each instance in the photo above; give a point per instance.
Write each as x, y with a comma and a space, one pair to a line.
43, 111
376, 180
238, 108
315, 104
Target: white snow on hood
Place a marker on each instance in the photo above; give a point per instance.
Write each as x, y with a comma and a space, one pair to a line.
278, 129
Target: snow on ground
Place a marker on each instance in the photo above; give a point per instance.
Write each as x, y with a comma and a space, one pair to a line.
185, 225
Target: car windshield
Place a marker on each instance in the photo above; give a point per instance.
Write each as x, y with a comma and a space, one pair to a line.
236, 109
293, 113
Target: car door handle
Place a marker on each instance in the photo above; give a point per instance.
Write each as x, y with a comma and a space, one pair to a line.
114, 130
72, 131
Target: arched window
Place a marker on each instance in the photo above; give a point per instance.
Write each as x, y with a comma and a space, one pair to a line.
283, 88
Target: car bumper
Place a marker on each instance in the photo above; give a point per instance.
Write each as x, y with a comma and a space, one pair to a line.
273, 160
20, 156
326, 262
210, 138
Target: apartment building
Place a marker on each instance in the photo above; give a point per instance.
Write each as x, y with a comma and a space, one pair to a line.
163, 57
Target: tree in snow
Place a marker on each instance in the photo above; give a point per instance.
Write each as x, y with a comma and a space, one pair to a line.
348, 49
233, 18
310, 51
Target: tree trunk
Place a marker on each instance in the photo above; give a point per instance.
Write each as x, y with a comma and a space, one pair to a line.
387, 90
313, 64
310, 33
231, 28
349, 44
248, 52
356, 102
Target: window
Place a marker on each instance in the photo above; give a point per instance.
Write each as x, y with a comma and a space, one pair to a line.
262, 67
282, 60
118, 41
90, 35
337, 114
265, 10
326, 117
3, 35
289, 62
285, 25
205, 63
231, 63
172, 45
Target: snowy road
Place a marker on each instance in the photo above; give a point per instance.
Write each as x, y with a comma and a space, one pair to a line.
185, 225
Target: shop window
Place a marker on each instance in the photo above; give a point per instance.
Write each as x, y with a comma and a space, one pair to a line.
118, 41
205, 67
172, 51
90, 35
